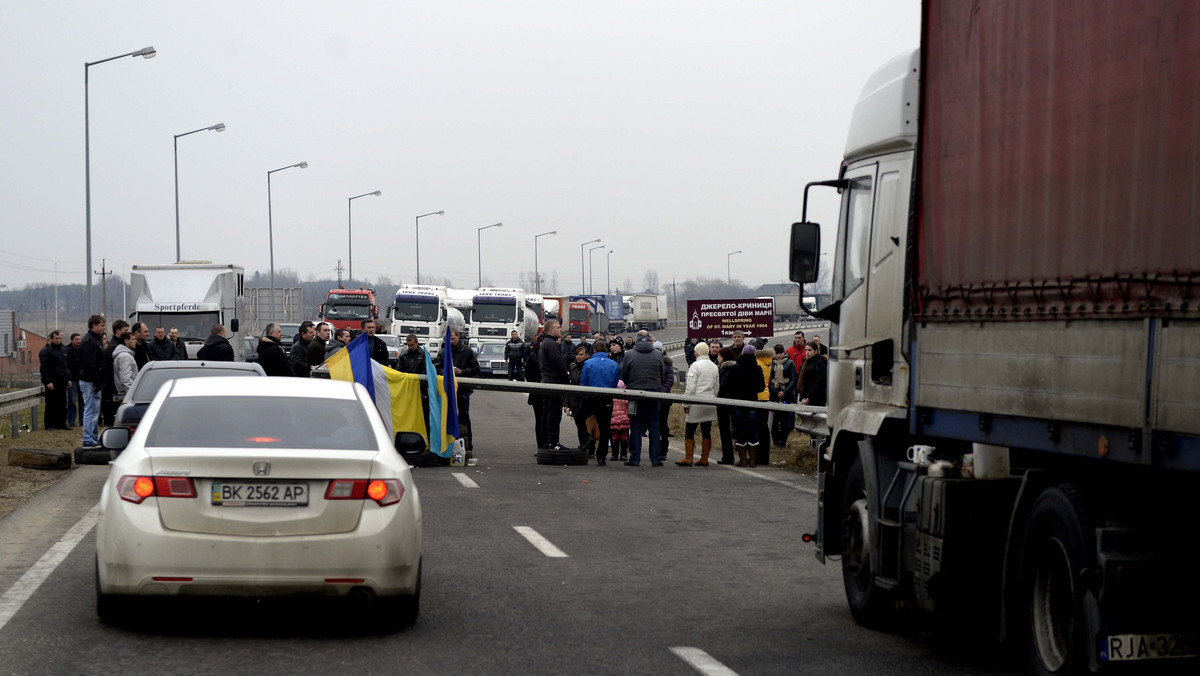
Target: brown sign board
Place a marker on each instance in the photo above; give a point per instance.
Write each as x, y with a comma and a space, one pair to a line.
709, 319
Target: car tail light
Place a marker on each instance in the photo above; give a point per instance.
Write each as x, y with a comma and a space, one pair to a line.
383, 491
135, 489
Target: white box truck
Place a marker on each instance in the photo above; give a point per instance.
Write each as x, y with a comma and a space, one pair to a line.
190, 296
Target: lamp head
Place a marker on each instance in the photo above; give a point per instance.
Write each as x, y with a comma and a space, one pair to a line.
146, 52
218, 127
377, 193
303, 165
441, 213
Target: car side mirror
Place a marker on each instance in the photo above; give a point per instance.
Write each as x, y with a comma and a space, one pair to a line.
115, 438
233, 325
805, 252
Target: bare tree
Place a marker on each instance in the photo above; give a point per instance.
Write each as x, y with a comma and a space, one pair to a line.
384, 282
650, 281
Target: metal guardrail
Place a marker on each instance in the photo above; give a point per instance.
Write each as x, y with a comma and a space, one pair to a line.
15, 402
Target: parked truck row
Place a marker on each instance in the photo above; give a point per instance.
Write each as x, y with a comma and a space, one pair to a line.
1014, 402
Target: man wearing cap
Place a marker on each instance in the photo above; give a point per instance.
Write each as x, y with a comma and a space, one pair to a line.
642, 369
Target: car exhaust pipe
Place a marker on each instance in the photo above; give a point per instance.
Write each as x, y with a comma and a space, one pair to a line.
362, 596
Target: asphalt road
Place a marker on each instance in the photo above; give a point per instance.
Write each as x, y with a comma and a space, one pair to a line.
656, 559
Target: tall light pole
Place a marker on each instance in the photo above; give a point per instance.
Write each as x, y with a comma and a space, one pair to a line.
537, 278
582, 270
146, 52
479, 247
417, 229
591, 267
728, 278
271, 229
218, 127
350, 230
608, 281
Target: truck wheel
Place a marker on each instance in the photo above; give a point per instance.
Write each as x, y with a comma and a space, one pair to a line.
1053, 553
870, 605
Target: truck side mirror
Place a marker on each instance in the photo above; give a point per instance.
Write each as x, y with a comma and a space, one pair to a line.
233, 325
321, 311
805, 252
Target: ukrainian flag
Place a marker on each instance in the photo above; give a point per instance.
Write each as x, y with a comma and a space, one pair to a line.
397, 395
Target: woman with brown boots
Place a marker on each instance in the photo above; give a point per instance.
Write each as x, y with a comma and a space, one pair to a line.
701, 382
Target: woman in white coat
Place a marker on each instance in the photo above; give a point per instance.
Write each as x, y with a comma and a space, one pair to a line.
702, 381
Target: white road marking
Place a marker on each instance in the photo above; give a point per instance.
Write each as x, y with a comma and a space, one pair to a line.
465, 480
22, 589
781, 482
702, 661
543, 545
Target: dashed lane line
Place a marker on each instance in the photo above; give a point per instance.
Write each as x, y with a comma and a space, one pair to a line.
465, 480
781, 482
702, 661
24, 588
543, 545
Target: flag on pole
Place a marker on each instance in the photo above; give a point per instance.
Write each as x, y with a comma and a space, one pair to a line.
397, 395
448, 380
443, 416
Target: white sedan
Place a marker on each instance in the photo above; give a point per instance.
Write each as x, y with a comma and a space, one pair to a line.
259, 487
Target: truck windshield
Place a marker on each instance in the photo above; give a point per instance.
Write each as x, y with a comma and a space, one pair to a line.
415, 311
344, 310
191, 325
495, 313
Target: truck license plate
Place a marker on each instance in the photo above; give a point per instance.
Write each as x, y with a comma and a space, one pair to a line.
260, 493
1127, 647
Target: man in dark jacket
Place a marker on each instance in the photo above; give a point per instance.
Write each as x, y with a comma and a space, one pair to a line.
108, 403
74, 400
514, 352
56, 377
91, 379
377, 347
162, 349
299, 355
466, 365
141, 353
340, 339
553, 370
689, 350
412, 359
270, 352
180, 347
316, 349
216, 346
642, 369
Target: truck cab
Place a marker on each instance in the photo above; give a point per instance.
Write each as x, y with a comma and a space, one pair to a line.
190, 296
347, 308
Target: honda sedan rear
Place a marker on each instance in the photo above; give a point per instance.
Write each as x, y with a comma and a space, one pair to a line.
259, 487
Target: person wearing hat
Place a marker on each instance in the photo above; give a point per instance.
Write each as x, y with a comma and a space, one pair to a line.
702, 380
745, 382
642, 369
664, 407
763, 418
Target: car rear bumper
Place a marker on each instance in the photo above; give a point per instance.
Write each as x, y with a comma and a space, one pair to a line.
136, 555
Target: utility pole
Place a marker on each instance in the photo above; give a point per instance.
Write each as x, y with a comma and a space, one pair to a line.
103, 272
339, 271
675, 297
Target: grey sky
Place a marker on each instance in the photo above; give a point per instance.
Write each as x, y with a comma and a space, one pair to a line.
675, 131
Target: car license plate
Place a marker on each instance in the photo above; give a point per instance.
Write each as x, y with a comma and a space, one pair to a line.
1126, 647
260, 493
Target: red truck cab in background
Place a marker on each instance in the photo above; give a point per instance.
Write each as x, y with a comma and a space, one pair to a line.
347, 308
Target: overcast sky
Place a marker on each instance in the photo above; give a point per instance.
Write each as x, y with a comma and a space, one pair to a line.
674, 131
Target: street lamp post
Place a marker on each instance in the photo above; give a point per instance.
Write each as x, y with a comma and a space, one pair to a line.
350, 230
591, 266
479, 248
145, 52
418, 231
608, 281
271, 229
537, 278
582, 270
728, 278
218, 127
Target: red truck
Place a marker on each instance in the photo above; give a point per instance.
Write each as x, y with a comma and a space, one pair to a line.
346, 308
1013, 451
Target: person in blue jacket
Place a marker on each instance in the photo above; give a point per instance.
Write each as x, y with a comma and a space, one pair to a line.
600, 371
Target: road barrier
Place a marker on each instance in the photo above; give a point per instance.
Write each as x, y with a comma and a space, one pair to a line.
15, 402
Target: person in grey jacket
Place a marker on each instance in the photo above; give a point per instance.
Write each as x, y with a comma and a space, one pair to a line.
124, 365
340, 339
642, 369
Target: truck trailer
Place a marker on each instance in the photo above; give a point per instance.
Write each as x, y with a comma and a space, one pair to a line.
1014, 402
190, 296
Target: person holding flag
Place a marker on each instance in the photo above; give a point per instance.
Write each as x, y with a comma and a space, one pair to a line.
461, 361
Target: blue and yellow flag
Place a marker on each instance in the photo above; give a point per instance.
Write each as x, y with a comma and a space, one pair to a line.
443, 413
397, 395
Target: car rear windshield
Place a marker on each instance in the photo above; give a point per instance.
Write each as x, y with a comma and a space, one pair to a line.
260, 422
153, 379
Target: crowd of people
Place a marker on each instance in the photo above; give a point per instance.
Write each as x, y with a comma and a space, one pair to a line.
611, 429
